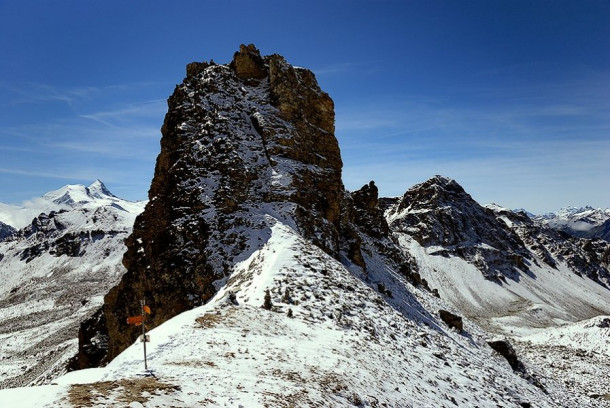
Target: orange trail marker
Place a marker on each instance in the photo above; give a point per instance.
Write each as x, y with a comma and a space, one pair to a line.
136, 320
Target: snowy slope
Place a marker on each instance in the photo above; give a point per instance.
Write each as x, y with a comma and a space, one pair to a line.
541, 298
549, 285
576, 354
53, 274
343, 346
592, 335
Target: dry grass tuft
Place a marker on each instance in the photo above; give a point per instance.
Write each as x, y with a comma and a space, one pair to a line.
208, 320
123, 391
211, 320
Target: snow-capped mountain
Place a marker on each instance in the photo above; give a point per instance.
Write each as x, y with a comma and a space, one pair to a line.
585, 222
67, 197
54, 272
270, 285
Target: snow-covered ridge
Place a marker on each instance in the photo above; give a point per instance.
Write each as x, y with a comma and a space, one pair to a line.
327, 340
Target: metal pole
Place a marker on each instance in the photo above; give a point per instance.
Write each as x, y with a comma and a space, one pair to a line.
143, 333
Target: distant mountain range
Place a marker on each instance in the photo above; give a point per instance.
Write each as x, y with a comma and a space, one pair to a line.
584, 222
54, 271
71, 196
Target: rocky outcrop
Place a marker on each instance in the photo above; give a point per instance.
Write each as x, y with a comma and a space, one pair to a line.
506, 350
242, 144
452, 320
5, 231
366, 240
368, 215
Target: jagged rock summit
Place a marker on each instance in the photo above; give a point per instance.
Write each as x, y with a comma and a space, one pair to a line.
243, 143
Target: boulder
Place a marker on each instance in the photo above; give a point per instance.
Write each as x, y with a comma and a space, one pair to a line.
451, 320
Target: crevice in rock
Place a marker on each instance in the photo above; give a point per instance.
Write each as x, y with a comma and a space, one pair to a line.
258, 128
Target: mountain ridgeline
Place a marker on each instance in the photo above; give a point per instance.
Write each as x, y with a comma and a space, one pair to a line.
250, 142
501, 243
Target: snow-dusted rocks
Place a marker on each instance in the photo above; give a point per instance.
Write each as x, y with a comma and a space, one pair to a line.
5, 231
443, 218
586, 257
54, 272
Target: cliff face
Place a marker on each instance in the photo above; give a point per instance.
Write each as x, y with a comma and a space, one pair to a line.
242, 143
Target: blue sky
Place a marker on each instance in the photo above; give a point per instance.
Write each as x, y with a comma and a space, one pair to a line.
510, 98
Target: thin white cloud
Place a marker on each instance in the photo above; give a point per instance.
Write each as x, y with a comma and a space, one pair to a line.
69, 174
37, 93
146, 109
344, 67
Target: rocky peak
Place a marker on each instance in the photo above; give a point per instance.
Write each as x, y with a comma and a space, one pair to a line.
97, 189
248, 64
243, 144
436, 191
438, 213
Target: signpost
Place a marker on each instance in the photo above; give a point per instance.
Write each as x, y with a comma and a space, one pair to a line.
139, 321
